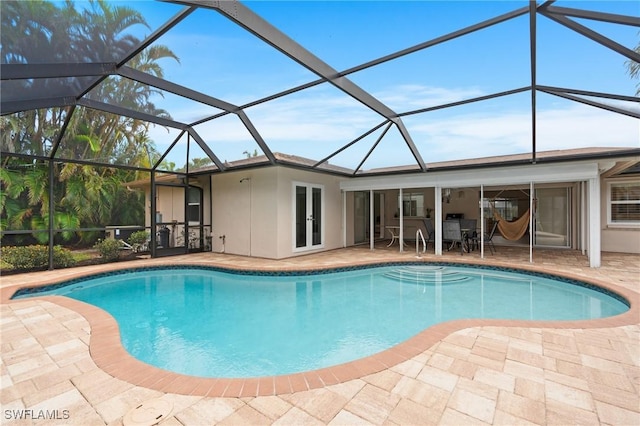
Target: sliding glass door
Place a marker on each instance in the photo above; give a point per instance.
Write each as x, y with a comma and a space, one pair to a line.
553, 214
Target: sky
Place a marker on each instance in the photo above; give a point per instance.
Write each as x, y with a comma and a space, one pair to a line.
224, 61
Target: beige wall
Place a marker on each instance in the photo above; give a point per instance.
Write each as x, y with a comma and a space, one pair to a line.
616, 238
244, 213
256, 216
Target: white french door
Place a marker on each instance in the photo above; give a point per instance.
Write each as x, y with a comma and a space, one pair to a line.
308, 215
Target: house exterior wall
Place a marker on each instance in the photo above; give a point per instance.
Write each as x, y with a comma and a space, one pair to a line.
244, 213
332, 210
616, 238
256, 216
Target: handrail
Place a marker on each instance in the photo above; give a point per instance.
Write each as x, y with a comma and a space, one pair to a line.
424, 243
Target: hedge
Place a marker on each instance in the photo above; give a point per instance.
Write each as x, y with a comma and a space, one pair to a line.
36, 257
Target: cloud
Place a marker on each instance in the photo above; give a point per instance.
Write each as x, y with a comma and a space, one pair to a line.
317, 122
409, 97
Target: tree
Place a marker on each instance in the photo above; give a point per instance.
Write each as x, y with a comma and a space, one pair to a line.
39, 31
249, 155
633, 68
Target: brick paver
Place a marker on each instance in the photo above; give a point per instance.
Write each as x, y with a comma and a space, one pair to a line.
478, 373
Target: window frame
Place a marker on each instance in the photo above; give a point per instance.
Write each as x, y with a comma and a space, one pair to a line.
610, 203
408, 197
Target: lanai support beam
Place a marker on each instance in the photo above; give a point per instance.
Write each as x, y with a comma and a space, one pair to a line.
532, 47
247, 19
589, 33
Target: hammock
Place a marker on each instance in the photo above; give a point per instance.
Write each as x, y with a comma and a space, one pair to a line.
512, 230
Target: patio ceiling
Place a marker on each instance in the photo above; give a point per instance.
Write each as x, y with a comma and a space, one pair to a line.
202, 117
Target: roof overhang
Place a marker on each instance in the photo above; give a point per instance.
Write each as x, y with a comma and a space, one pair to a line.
491, 176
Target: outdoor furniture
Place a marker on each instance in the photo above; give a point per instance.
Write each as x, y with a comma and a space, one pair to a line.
452, 234
468, 227
395, 235
488, 239
430, 235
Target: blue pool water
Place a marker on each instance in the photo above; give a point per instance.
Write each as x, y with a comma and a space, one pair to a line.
213, 323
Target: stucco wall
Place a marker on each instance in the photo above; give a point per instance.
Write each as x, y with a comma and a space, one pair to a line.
256, 216
245, 212
616, 238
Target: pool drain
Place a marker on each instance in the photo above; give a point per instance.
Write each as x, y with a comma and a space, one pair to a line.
148, 413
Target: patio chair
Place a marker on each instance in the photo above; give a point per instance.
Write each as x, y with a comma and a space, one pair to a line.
430, 235
488, 239
452, 234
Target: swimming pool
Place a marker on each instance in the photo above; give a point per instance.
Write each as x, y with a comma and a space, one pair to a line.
215, 323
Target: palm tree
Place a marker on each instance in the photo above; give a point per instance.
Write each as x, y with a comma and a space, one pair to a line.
37, 31
634, 69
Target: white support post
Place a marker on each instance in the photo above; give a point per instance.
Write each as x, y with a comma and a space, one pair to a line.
401, 207
481, 221
583, 218
594, 222
531, 221
438, 220
344, 219
372, 224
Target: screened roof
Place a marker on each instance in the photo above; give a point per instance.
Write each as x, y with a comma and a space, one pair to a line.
351, 87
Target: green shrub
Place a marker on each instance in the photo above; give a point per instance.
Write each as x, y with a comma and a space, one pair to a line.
138, 239
109, 249
36, 257
62, 258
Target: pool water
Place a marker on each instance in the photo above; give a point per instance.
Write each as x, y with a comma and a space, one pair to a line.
212, 323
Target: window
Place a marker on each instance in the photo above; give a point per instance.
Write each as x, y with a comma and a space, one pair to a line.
506, 207
624, 202
413, 204
193, 204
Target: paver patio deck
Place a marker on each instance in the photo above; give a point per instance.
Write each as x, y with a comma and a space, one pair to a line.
56, 360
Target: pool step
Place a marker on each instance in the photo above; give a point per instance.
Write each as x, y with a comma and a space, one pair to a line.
426, 275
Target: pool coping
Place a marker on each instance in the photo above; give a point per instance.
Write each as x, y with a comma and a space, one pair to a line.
108, 353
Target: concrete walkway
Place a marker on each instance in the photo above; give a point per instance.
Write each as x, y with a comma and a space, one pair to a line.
482, 373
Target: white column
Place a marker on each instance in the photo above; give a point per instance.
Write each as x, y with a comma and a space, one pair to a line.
344, 219
438, 220
481, 221
583, 218
531, 219
401, 221
372, 224
594, 222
